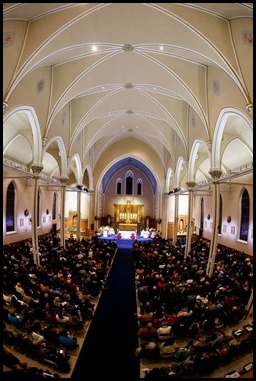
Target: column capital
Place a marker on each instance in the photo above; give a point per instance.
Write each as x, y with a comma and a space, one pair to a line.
249, 108
215, 173
44, 141
209, 145
191, 184
37, 169
5, 105
64, 180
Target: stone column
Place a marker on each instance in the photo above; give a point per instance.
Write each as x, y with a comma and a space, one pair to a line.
63, 181
216, 174
37, 169
78, 224
165, 223
176, 211
190, 185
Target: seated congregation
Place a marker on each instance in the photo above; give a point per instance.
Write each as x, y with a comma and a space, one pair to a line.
47, 308
183, 314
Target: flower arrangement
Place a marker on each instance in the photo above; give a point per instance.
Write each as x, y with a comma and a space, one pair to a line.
132, 236
119, 235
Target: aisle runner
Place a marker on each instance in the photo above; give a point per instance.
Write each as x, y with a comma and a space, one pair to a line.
124, 243
112, 338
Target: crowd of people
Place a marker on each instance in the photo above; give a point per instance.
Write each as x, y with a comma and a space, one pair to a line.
46, 307
177, 299
50, 304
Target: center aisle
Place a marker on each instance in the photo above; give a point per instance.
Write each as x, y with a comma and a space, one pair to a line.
111, 341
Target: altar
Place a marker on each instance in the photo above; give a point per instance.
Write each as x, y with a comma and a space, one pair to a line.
124, 226
128, 216
127, 234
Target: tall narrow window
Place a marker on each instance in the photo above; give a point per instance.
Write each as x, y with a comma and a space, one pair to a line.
139, 187
129, 182
220, 216
10, 208
245, 211
118, 186
54, 206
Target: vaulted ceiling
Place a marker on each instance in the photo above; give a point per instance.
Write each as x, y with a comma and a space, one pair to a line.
110, 82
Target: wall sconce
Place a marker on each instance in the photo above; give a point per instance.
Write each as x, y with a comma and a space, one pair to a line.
229, 219
47, 211
26, 212
208, 216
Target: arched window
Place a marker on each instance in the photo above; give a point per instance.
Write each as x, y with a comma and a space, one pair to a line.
10, 208
54, 206
220, 216
139, 187
118, 186
245, 211
129, 182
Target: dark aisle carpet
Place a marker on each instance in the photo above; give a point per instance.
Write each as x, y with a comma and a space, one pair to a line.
111, 341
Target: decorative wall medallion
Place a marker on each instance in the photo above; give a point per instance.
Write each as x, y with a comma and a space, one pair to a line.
193, 120
216, 87
64, 115
247, 37
40, 86
8, 39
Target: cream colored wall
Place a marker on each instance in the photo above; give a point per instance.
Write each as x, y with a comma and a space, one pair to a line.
230, 207
24, 199
40, 98
244, 51
146, 199
71, 203
130, 147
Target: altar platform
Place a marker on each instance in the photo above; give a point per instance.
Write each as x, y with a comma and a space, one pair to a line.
125, 239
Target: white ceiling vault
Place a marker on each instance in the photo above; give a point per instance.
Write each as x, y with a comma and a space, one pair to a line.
92, 87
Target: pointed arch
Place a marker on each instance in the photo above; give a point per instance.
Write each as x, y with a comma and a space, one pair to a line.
35, 128
90, 177
222, 120
62, 152
193, 157
181, 165
169, 177
76, 166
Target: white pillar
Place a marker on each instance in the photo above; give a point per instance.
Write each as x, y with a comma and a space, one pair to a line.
190, 185
215, 173
37, 169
